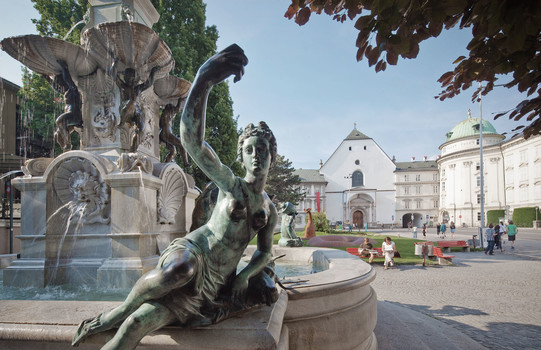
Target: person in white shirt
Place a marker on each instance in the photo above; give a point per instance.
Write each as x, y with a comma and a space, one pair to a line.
388, 248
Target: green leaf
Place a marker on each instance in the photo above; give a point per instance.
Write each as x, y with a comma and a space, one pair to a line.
459, 59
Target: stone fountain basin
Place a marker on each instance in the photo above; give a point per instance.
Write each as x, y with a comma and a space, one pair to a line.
332, 309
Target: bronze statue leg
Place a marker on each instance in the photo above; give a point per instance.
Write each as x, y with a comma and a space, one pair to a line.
178, 270
172, 152
62, 133
173, 143
147, 318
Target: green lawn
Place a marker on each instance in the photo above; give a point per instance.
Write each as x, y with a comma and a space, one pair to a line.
405, 246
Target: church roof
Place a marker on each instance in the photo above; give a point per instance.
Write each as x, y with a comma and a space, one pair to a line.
357, 135
310, 175
470, 127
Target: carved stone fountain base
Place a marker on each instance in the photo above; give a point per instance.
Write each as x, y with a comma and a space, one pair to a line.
89, 220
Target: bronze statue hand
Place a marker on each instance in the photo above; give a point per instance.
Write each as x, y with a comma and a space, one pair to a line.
239, 288
230, 61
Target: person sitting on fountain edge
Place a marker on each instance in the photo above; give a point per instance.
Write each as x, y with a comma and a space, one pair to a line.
195, 282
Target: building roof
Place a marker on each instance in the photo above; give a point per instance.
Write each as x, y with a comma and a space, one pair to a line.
412, 166
470, 127
357, 135
9, 85
310, 175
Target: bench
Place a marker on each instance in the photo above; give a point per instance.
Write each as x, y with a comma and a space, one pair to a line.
355, 251
447, 245
443, 259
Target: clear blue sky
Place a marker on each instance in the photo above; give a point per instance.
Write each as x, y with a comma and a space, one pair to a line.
306, 84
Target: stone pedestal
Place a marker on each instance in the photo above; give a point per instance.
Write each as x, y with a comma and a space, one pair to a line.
29, 325
139, 11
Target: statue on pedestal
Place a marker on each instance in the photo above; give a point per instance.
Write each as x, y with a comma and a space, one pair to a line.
289, 237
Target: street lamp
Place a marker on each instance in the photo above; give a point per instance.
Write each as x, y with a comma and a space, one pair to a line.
346, 206
10, 175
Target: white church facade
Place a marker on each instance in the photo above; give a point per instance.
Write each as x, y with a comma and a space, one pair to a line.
359, 184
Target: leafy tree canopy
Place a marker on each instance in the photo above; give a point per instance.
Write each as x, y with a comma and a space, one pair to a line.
506, 40
182, 27
282, 184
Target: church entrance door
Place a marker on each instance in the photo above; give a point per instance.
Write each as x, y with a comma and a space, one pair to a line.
358, 219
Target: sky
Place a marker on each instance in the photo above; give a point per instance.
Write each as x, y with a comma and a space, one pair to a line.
305, 82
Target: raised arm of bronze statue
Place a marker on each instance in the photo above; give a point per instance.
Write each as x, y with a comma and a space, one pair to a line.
230, 61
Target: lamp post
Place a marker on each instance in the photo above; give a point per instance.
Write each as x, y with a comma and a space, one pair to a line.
481, 169
10, 175
346, 206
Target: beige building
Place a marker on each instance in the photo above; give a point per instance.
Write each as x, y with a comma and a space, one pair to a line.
313, 185
417, 192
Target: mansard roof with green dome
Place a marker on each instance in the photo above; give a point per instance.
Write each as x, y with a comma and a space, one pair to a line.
470, 127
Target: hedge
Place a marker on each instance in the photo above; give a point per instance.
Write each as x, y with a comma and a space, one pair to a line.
524, 217
493, 216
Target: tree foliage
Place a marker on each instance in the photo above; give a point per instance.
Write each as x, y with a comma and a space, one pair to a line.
182, 27
321, 223
506, 40
282, 184
39, 108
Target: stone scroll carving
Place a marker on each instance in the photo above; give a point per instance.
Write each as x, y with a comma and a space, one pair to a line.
36, 167
134, 161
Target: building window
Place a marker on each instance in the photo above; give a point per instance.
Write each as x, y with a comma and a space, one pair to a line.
479, 198
365, 148
477, 166
443, 173
478, 181
477, 141
417, 177
406, 204
406, 178
443, 186
418, 204
478, 216
357, 162
435, 189
357, 179
436, 203
406, 190
418, 189
522, 155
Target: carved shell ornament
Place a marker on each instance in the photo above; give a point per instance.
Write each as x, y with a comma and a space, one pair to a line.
132, 45
171, 196
79, 186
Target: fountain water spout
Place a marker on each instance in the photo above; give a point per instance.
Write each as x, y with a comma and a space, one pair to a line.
72, 28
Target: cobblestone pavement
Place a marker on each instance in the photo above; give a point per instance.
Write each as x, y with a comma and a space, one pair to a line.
495, 300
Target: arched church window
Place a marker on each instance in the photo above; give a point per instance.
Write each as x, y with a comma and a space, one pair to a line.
357, 179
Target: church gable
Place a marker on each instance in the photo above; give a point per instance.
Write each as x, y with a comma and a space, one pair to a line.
359, 160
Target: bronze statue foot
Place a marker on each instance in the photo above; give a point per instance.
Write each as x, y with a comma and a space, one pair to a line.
87, 328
